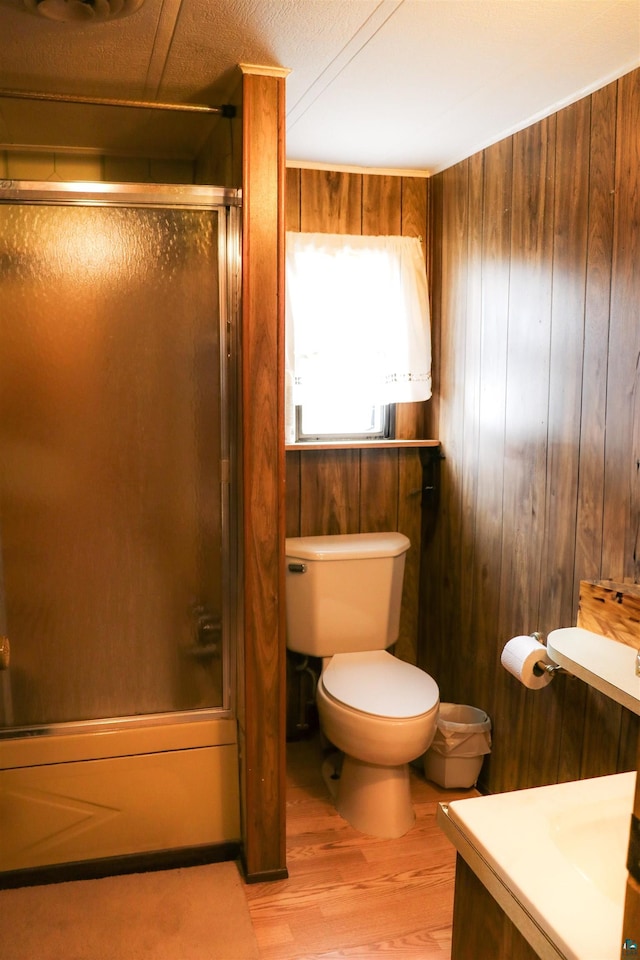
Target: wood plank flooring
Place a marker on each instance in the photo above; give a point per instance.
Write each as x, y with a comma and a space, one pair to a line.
354, 897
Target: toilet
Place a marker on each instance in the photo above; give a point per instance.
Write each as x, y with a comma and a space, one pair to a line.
343, 605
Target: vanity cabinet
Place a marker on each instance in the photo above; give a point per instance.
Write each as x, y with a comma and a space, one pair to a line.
480, 927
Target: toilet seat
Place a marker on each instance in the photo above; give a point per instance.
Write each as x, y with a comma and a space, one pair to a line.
377, 683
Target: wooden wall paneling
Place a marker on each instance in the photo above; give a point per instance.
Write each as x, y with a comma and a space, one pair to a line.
292, 482
263, 730
292, 199
622, 434
378, 490
293, 493
409, 517
600, 735
556, 601
487, 530
330, 202
415, 210
452, 346
588, 561
590, 502
622, 477
434, 276
565, 365
470, 361
431, 602
381, 205
525, 433
430, 607
329, 492
532, 462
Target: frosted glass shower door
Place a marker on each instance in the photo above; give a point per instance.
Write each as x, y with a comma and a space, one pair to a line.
111, 445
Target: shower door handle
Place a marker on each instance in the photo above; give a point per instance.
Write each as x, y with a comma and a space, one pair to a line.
5, 653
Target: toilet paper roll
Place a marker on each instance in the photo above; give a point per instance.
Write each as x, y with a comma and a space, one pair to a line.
520, 656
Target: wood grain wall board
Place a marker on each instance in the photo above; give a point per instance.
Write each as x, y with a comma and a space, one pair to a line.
628, 181
451, 395
543, 488
570, 233
601, 735
410, 480
378, 490
263, 774
330, 202
415, 210
528, 360
292, 496
591, 467
466, 647
434, 273
430, 607
330, 492
622, 476
569, 734
589, 518
487, 531
381, 205
525, 429
566, 363
292, 199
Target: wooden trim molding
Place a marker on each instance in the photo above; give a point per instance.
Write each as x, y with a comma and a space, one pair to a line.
259, 70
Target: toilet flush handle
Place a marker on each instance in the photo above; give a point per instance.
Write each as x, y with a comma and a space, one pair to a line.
297, 568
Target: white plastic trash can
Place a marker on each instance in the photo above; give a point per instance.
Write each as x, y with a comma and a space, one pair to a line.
461, 741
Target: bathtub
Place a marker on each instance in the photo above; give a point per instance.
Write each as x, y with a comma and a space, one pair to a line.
554, 858
118, 789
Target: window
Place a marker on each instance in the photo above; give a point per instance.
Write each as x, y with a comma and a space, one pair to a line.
357, 331
344, 420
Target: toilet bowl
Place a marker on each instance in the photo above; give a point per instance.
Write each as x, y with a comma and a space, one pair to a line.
343, 605
373, 789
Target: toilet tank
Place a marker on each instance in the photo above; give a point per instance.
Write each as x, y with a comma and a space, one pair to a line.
344, 592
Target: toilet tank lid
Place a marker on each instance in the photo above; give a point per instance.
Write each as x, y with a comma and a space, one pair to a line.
348, 546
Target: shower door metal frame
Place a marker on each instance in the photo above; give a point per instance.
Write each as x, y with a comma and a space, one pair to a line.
188, 197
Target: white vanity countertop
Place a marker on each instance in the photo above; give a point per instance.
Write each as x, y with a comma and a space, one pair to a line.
554, 857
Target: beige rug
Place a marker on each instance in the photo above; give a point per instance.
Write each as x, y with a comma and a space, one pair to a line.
197, 913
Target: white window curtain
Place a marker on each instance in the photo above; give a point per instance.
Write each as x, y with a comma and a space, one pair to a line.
357, 319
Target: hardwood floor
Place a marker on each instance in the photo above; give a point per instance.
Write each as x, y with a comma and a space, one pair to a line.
352, 896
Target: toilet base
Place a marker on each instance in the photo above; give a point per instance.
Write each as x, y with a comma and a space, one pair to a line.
374, 799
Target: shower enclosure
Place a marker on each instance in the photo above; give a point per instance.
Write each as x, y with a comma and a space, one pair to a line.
117, 520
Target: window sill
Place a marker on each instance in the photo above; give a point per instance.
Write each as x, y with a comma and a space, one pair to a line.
362, 445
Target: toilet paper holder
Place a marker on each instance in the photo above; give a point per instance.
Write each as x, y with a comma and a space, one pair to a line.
540, 667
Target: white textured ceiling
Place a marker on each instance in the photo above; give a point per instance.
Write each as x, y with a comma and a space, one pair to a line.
394, 84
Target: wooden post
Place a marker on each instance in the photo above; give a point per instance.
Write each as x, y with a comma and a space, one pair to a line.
262, 725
